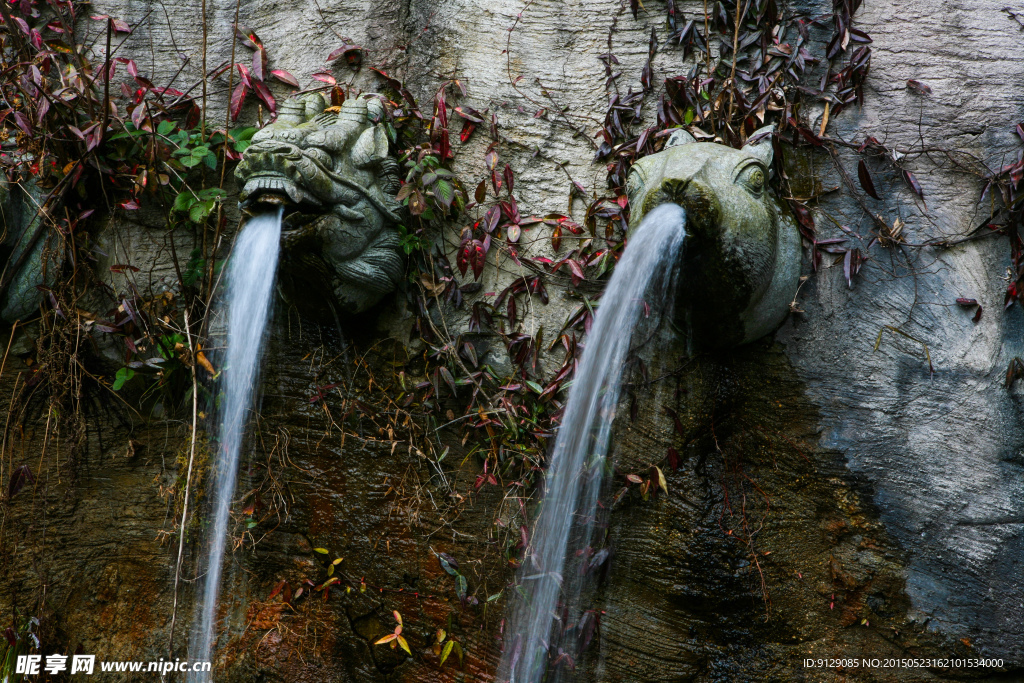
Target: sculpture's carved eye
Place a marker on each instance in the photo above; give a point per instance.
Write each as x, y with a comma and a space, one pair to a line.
320, 156
753, 177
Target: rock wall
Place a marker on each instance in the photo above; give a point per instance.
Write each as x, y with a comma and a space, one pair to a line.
888, 486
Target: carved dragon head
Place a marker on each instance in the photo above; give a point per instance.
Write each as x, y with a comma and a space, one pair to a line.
330, 169
741, 263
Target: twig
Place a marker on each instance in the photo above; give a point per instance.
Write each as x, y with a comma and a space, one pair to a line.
188, 483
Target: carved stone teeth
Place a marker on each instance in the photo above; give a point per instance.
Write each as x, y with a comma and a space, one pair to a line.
277, 185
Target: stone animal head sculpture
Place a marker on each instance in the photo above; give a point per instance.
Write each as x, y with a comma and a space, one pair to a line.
741, 263
331, 171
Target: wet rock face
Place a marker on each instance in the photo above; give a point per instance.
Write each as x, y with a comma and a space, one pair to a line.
765, 551
333, 177
742, 255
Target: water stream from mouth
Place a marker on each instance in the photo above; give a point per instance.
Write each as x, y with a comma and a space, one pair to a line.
246, 303
546, 619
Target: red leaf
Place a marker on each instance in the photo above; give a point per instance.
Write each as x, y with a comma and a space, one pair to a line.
477, 257
238, 99
138, 116
491, 218
285, 77
277, 589
19, 478
577, 271
556, 238
343, 50
259, 64
263, 92
325, 77
919, 86
673, 459
509, 178
22, 122
243, 71
467, 129
804, 219
470, 114
912, 181
865, 179
248, 37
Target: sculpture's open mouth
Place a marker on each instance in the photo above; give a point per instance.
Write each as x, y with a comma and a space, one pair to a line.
275, 189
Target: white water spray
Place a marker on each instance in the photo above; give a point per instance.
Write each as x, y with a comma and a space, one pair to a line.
641, 283
249, 290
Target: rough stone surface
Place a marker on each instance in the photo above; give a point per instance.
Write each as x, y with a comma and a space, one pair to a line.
896, 490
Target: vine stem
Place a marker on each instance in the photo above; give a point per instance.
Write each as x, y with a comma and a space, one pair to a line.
735, 46
188, 483
512, 81
223, 162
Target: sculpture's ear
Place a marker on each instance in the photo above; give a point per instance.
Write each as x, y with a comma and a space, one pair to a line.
760, 144
371, 147
315, 105
680, 137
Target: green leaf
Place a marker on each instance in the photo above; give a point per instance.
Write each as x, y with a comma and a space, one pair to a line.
212, 193
251, 524
536, 387
211, 161
190, 162
200, 210
242, 146
322, 551
183, 201
165, 127
445, 192
123, 375
243, 134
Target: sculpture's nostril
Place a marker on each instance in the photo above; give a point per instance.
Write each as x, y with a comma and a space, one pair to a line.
701, 204
675, 189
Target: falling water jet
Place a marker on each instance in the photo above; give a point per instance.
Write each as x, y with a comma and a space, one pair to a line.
249, 290
565, 523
